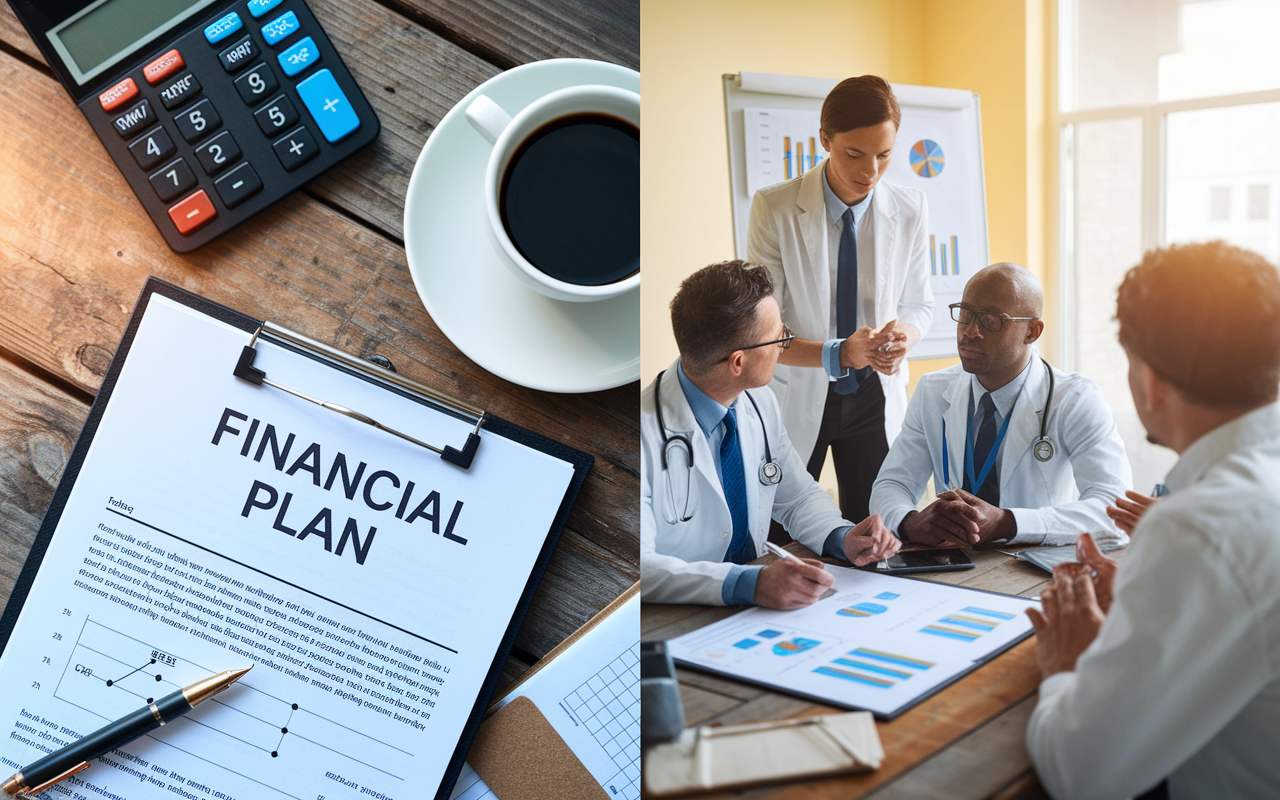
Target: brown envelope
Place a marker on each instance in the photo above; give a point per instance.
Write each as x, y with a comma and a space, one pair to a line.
521, 757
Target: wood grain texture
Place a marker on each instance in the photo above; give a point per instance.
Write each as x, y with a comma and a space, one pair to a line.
513, 32
15, 36
38, 428
75, 249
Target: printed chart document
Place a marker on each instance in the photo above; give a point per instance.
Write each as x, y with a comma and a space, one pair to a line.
590, 693
215, 524
880, 643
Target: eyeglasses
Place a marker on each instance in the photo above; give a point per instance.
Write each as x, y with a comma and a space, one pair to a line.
784, 342
987, 319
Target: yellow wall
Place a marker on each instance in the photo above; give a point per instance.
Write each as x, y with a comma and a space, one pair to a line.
998, 48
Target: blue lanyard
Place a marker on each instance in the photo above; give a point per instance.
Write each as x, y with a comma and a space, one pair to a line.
976, 483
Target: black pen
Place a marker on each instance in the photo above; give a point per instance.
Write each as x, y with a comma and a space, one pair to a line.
61, 764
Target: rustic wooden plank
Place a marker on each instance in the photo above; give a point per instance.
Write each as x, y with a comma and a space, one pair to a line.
38, 428
701, 706
724, 686
15, 36
974, 768
509, 33
74, 262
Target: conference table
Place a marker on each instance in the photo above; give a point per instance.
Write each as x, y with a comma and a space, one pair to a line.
327, 261
963, 743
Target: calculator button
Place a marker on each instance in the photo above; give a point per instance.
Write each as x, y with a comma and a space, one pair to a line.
180, 91
256, 84
329, 107
237, 56
300, 55
163, 67
198, 121
222, 28
192, 212
134, 120
173, 179
280, 28
276, 116
218, 153
259, 7
238, 185
118, 95
152, 148
296, 149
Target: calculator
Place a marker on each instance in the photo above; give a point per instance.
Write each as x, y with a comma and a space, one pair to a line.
213, 110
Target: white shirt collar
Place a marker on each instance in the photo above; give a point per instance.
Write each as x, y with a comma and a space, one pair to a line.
1257, 426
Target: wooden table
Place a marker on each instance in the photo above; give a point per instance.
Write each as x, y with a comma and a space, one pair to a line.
328, 262
963, 743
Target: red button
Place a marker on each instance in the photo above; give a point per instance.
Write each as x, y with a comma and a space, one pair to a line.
194, 211
118, 95
163, 67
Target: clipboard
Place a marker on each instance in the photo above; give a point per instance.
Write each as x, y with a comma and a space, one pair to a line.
459, 452
521, 756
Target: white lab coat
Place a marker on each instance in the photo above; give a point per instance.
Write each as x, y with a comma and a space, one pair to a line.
788, 235
1054, 501
683, 562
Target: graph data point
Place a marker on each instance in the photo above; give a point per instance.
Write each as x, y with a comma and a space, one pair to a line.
110, 682
151, 699
284, 730
274, 754
153, 661
157, 677
295, 706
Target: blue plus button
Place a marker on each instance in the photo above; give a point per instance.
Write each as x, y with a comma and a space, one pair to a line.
259, 7
300, 55
329, 107
279, 28
223, 27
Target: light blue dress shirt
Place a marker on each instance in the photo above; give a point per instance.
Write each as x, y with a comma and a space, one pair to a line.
739, 587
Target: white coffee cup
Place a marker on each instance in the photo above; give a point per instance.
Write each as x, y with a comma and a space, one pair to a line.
507, 133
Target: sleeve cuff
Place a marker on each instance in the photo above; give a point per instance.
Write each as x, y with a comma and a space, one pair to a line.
739, 587
831, 359
1031, 526
834, 545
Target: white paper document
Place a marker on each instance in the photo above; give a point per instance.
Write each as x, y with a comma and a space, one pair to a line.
216, 524
590, 694
879, 643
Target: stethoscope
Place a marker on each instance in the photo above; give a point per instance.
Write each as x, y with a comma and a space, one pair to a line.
1042, 448
770, 470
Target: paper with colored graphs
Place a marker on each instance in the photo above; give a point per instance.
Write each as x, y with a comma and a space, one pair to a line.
880, 643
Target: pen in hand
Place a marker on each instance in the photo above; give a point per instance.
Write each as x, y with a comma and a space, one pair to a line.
76, 757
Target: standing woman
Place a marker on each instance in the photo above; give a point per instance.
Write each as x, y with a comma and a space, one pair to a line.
848, 253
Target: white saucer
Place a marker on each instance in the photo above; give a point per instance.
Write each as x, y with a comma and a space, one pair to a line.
508, 329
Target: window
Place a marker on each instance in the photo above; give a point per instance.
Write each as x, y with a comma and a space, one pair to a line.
1167, 115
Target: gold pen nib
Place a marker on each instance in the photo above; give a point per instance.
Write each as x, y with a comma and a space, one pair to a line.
200, 691
13, 786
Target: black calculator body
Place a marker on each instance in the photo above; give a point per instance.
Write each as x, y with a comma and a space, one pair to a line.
213, 110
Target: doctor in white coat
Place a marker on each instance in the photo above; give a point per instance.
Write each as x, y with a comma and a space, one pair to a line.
716, 463
1009, 461
848, 253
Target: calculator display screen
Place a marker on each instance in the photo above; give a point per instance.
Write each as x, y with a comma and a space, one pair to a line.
109, 30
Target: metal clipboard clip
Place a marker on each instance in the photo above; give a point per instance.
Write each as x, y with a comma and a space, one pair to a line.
247, 372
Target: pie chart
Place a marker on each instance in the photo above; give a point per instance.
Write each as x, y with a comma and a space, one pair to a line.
926, 158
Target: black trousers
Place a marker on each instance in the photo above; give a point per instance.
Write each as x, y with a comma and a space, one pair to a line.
853, 427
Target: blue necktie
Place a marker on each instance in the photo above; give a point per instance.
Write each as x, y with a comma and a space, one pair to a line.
741, 550
847, 299
990, 488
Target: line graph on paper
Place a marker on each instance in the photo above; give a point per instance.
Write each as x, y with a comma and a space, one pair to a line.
111, 673
608, 705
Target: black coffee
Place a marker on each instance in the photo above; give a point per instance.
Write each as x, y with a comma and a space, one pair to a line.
570, 199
